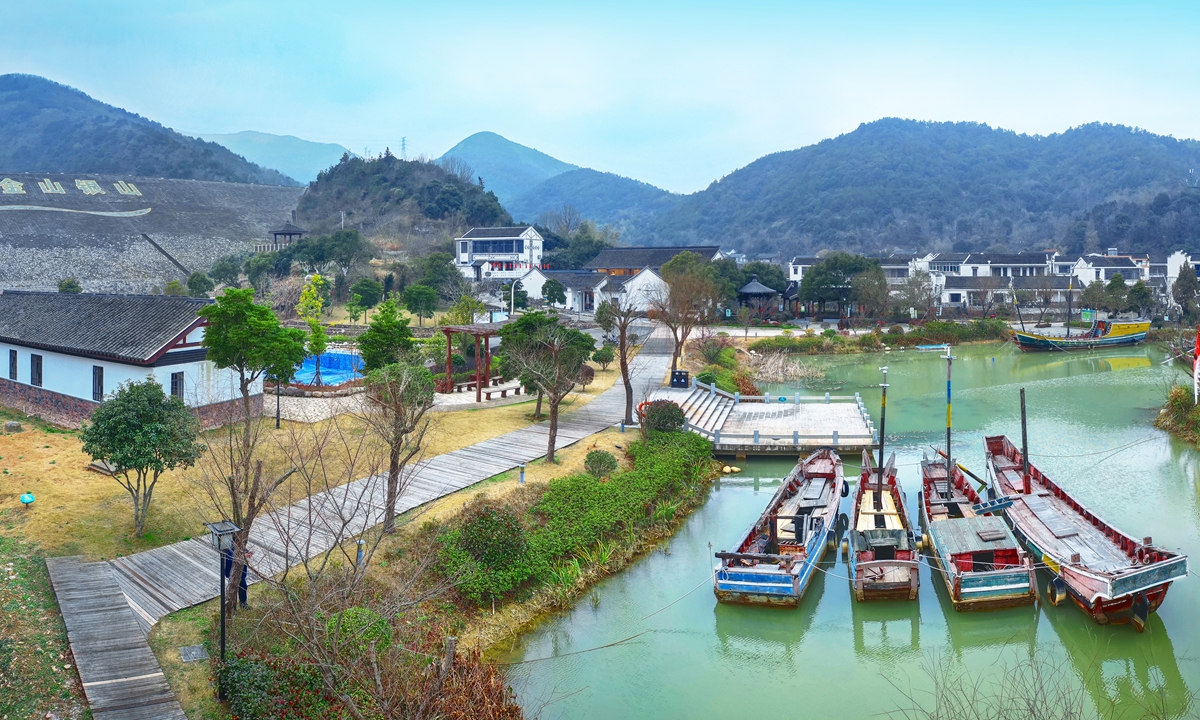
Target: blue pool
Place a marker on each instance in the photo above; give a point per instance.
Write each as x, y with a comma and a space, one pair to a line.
336, 368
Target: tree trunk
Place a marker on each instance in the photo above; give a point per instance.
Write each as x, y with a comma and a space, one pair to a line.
317, 370
393, 489
537, 412
624, 350
553, 430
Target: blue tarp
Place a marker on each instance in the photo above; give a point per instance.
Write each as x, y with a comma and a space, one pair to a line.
336, 368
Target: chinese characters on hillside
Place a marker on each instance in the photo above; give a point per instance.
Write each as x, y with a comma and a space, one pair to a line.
8, 186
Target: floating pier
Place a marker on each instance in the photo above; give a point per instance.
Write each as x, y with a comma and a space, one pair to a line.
773, 424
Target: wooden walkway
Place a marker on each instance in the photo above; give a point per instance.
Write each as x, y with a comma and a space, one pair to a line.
120, 675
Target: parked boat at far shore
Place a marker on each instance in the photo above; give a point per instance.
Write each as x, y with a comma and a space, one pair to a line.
1102, 334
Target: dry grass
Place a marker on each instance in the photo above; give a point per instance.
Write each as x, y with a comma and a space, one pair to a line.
192, 682
80, 512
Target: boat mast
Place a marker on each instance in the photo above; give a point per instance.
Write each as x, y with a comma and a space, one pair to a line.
882, 429
1070, 287
1024, 448
949, 361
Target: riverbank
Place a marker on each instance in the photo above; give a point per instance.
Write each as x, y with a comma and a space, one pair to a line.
1180, 415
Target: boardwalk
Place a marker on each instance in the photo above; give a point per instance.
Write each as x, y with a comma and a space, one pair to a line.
120, 675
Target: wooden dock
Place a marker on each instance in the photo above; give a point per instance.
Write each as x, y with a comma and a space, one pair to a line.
120, 675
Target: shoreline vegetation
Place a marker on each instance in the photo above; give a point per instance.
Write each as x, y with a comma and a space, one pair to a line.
1180, 415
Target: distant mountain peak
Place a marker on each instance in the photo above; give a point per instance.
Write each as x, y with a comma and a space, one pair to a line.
295, 157
509, 169
46, 126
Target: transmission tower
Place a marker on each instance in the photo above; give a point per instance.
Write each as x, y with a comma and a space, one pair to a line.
403, 148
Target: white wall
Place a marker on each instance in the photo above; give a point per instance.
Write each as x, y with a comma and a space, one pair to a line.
71, 375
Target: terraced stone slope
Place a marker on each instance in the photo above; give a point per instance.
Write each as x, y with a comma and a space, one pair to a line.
95, 227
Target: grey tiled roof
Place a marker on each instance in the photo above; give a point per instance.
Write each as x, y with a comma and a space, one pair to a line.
289, 229
495, 232
1005, 259
1109, 261
576, 279
641, 257
129, 328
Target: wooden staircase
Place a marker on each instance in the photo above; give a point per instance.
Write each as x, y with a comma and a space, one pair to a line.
705, 410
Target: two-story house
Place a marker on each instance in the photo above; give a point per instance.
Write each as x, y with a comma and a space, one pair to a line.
498, 253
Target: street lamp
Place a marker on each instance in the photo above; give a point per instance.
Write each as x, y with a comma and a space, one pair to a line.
222, 541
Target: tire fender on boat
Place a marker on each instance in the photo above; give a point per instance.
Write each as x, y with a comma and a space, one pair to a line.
1056, 591
845, 489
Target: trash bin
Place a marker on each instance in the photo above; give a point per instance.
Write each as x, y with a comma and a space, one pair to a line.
680, 379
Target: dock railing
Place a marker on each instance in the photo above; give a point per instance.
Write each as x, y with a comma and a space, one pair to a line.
760, 440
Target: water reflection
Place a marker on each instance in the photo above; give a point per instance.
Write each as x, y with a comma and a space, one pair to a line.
1011, 628
744, 637
1123, 669
886, 632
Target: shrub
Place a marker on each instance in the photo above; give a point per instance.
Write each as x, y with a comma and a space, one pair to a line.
494, 537
587, 375
711, 346
663, 416
708, 377
69, 285
258, 687
896, 330
604, 356
356, 629
457, 361
600, 463
727, 358
829, 332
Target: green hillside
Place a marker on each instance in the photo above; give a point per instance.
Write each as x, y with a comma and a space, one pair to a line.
604, 198
48, 127
507, 168
290, 155
387, 195
924, 185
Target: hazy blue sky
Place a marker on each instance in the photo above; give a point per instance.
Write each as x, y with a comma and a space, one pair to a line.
676, 94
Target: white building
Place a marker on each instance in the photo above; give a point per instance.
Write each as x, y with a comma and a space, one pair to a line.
498, 253
636, 291
61, 354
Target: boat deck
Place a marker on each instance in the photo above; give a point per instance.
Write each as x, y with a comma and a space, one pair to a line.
867, 513
1052, 525
972, 535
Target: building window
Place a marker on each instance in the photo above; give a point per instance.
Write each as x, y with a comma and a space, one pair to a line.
97, 383
12, 364
955, 297
35, 370
975, 272
177, 384
462, 248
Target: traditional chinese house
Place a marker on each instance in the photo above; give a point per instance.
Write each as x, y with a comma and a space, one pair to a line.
61, 354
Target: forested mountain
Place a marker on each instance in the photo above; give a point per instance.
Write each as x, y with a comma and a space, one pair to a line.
292, 156
602, 197
48, 127
507, 168
389, 196
924, 185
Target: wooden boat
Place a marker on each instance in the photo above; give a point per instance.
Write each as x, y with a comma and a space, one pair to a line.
1102, 334
776, 557
881, 547
982, 564
1108, 574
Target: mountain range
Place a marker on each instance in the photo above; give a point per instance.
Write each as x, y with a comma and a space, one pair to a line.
48, 127
290, 155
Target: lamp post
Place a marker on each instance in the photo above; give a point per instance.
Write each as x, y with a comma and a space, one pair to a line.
222, 541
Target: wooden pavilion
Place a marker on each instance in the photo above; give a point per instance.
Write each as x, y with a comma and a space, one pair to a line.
483, 358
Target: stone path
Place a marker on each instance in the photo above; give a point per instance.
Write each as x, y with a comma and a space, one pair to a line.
157, 582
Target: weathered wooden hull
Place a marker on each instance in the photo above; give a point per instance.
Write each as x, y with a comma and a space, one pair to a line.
767, 584
892, 588
1112, 577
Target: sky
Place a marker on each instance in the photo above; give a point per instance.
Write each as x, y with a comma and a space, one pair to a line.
677, 94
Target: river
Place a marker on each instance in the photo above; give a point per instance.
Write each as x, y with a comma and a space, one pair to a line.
685, 656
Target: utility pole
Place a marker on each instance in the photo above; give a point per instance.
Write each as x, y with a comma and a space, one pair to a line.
343, 219
404, 148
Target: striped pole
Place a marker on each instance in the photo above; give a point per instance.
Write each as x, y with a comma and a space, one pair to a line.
949, 362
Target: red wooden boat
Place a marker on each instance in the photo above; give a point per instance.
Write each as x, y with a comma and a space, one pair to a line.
881, 546
1108, 574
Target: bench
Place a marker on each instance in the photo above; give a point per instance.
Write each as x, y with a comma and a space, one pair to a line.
503, 392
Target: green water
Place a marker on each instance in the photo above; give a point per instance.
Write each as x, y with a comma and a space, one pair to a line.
836, 658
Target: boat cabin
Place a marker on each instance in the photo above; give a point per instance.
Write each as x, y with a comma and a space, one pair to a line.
976, 544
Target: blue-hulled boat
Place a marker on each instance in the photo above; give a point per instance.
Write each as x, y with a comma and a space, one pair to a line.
776, 557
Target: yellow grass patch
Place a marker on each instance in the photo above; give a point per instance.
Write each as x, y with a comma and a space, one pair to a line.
192, 682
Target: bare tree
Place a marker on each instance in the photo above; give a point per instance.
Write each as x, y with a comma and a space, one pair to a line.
548, 355
566, 221
686, 303
398, 398
618, 315
457, 167
990, 289
917, 292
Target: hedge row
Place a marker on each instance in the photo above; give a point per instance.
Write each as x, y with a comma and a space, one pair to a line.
574, 513
933, 332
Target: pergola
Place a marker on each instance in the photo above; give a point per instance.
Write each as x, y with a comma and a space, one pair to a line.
483, 362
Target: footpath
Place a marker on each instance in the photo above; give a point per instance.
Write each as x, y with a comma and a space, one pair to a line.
121, 677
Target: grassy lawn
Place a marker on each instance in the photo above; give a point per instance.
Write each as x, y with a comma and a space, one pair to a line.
37, 673
192, 682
